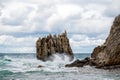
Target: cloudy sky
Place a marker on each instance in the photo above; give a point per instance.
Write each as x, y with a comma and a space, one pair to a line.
87, 22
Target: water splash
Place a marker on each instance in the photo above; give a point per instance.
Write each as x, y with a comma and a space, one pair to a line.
24, 64
6, 58
23, 67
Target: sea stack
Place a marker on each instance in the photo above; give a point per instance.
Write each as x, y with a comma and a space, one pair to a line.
47, 46
108, 54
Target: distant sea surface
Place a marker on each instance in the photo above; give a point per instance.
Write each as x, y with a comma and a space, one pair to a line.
24, 67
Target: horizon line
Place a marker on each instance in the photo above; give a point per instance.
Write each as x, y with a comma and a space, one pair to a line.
35, 53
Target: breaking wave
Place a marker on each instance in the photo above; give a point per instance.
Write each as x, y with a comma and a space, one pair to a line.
24, 64
21, 67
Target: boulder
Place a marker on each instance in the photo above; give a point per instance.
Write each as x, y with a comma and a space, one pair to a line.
47, 46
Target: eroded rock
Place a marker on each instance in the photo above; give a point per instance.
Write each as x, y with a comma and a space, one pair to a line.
47, 46
108, 54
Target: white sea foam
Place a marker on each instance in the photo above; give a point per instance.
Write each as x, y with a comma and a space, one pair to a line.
53, 70
30, 64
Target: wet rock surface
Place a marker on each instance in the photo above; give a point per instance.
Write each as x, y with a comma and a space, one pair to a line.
81, 63
47, 46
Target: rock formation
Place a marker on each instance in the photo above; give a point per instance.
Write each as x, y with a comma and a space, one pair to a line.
80, 63
106, 56
47, 46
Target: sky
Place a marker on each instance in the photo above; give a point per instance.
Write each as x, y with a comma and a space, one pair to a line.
87, 23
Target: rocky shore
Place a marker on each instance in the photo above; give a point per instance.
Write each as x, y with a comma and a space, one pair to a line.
50, 45
106, 56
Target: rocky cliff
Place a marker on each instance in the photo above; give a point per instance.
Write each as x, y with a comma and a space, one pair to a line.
107, 55
47, 46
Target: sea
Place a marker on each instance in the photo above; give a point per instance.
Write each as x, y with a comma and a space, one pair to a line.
24, 66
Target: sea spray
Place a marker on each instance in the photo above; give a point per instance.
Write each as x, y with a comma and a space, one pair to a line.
60, 57
58, 60
24, 67
24, 64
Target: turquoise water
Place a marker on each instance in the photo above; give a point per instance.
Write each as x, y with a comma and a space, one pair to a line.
24, 67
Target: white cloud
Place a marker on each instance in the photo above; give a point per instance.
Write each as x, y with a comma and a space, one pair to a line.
17, 44
88, 18
23, 49
8, 40
62, 12
14, 16
83, 43
15, 13
27, 44
17, 49
112, 9
93, 25
84, 40
50, 16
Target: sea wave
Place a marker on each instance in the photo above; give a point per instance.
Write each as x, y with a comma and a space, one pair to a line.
26, 64
25, 68
15, 64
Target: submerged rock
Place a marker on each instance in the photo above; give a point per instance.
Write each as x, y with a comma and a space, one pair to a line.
47, 46
40, 66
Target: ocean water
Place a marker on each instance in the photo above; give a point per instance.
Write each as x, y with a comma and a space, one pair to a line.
24, 67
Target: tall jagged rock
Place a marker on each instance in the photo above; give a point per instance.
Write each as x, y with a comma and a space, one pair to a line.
47, 46
108, 54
